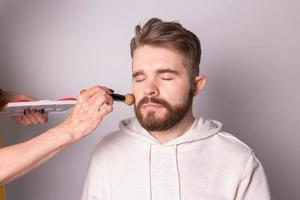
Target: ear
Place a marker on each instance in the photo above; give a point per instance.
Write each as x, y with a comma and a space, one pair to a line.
199, 83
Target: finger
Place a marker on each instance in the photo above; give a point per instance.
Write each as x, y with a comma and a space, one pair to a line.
97, 101
91, 91
19, 119
31, 117
107, 99
110, 100
110, 90
101, 100
22, 120
41, 118
82, 91
96, 89
104, 110
44, 115
87, 98
81, 100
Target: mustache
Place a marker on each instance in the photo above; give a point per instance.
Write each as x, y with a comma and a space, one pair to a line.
162, 102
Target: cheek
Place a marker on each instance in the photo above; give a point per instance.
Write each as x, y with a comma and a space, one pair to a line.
176, 93
137, 92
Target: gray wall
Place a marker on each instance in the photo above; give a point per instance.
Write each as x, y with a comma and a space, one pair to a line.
52, 49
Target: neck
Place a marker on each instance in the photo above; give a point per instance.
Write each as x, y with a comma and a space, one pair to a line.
176, 131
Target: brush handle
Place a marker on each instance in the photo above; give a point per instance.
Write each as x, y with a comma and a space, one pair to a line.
118, 97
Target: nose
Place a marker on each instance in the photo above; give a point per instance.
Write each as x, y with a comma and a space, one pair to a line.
151, 90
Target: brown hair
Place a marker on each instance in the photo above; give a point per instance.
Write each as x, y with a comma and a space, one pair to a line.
170, 35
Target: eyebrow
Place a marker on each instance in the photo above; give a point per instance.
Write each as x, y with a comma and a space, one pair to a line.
135, 74
160, 71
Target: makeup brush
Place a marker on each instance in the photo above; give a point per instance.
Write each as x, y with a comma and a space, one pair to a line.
127, 98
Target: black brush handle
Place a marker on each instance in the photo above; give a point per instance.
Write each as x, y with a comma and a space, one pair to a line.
118, 97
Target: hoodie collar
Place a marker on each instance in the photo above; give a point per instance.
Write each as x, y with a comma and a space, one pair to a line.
200, 129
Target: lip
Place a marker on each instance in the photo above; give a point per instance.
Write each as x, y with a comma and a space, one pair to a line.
151, 106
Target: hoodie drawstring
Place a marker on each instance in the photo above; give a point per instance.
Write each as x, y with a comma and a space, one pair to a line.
178, 174
177, 170
150, 182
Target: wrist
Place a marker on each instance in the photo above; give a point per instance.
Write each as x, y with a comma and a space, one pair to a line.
6, 96
63, 135
2, 95
3, 100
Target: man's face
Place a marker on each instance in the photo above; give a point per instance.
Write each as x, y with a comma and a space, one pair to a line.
162, 87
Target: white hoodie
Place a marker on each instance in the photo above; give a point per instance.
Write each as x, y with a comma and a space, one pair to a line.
202, 164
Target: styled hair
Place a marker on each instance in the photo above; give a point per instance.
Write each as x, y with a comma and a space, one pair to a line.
171, 35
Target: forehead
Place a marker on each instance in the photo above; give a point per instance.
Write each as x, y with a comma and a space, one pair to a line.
149, 58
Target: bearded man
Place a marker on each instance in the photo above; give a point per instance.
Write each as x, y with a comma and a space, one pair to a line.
165, 153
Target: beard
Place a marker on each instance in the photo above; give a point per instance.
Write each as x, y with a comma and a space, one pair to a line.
174, 114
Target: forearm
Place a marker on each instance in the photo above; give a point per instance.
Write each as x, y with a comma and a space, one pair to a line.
28, 169
19, 159
16, 160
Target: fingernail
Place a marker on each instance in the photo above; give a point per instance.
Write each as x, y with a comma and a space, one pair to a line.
43, 111
82, 91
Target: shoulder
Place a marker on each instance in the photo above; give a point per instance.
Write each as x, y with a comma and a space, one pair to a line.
111, 144
231, 151
230, 147
229, 141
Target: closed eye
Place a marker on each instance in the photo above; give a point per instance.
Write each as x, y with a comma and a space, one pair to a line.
167, 79
166, 76
139, 78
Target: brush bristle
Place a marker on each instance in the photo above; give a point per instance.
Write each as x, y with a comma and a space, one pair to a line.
129, 99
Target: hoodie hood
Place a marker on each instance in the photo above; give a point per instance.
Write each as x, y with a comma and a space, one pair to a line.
200, 129
203, 163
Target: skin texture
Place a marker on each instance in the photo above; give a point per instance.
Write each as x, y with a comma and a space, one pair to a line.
17, 160
160, 73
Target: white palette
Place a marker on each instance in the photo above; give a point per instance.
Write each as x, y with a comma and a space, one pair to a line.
17, 108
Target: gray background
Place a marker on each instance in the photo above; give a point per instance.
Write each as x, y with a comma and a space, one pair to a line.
52, 49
